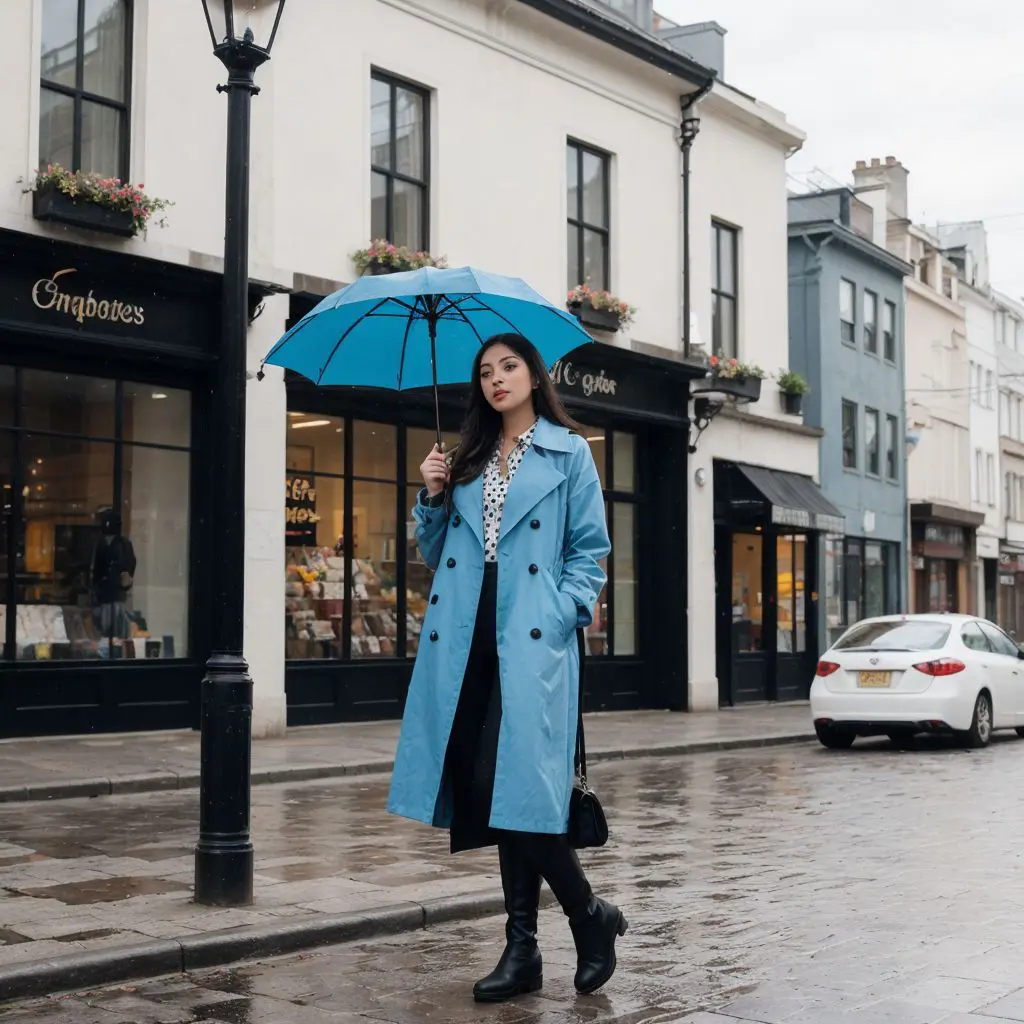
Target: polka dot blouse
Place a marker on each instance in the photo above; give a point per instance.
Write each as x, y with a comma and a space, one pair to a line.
496, 490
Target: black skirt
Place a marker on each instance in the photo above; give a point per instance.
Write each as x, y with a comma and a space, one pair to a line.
472, 753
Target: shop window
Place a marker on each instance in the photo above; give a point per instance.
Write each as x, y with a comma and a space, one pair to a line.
6, 396
157, 415
724, 289
374, 450
84, 83
747, 604
374, 570
6, 514
588, 243
874, 580
399, 162
835, 612
853, 567
597, 438
624, 556
624, 461
98, 529
791, 570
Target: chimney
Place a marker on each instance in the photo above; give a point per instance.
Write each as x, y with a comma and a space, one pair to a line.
704, 42
892, 175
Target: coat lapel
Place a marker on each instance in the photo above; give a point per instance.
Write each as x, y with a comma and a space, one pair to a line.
536, 478
469, 502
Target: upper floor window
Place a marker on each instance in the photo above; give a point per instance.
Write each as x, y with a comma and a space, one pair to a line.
892, 466
847, 324
889, 331
724, 289
588, 236
399, 162
870, 322
849, 435
85, 86
872, 442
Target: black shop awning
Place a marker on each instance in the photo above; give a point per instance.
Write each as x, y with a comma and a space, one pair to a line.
785, 499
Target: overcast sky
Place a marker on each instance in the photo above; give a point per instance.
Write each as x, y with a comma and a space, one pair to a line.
936, 83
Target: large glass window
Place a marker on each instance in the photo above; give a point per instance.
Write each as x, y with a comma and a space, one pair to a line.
791, 570
399, 162
747, 604
95, 531
587, 230
83, 111
725, 289
835, 613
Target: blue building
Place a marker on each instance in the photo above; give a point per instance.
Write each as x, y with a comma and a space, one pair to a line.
846, 337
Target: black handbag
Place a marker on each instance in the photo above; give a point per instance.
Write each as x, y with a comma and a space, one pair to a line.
588, 826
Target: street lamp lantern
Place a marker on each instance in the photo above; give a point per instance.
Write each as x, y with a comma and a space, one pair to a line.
242, 33
249, 23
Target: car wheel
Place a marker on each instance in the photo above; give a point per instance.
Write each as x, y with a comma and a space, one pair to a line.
901, 740
980, 732
834, 739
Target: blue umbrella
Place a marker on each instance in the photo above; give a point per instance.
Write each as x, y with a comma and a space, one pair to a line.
419, 328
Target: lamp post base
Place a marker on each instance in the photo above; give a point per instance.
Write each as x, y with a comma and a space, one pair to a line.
224, 853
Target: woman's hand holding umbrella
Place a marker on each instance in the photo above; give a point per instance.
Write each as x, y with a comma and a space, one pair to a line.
435, 471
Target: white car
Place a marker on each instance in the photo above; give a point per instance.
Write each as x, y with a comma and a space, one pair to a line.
904, 674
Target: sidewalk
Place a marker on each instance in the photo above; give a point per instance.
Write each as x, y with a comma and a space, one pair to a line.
101, 765
99, 891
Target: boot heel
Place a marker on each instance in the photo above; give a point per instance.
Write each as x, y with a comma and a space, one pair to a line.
532, 986
623, 925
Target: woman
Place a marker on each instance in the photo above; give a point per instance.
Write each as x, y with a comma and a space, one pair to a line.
489, 733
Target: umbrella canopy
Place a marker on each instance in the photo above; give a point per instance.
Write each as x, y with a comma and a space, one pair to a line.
420, 328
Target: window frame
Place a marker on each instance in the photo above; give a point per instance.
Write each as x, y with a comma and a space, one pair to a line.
892, 444
394, 83
853, 408
576, 219
875, 450
848, 328
78, 94
889, 336
870, 330
718, 228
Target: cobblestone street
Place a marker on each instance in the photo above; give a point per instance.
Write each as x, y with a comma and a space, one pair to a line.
777, 885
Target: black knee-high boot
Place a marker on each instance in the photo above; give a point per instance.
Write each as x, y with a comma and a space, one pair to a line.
595, 924
520, 969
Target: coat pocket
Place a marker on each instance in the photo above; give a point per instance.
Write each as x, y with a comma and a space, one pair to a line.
563, 608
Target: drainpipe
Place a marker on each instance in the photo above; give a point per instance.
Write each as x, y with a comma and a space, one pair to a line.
689, 127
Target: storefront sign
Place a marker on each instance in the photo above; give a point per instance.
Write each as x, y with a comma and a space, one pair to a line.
799, 517
49, 293
589, 383
300, 516
940, 540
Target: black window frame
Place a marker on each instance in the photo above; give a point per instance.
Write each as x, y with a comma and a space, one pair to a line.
873, 468
394, 83
79, 94
718, 228
870, 326
848, 328
576, 219
892, 447
889, 336
852, 406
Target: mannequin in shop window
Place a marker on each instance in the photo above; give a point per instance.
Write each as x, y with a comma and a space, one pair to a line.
113, 573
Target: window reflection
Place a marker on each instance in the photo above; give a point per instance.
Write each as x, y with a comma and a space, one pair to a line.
624, 555
374, 571
747, 610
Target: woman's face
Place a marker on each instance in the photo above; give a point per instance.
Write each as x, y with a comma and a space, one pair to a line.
505, 379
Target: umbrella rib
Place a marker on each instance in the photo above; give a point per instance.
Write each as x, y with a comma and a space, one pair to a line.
288, 337
409, 320
469, 323
348, 330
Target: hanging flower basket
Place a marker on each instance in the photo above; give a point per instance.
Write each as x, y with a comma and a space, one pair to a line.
96, 204
792, 387
738, 381
601, 311
384, 258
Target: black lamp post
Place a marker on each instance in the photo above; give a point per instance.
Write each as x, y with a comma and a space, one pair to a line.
688, 130
224, 854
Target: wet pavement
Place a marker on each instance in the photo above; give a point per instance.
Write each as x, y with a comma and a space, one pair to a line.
778, 885
82, 766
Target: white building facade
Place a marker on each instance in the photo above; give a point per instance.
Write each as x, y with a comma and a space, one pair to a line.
536, 139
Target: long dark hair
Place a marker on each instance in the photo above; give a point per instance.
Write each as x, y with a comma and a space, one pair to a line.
482, 424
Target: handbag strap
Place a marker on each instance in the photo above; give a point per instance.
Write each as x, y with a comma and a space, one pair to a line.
581, 742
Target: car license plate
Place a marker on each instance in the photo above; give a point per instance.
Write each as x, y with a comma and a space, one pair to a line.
877, 680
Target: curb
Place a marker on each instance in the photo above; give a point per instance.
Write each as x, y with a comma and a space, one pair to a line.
151, 959
168, 780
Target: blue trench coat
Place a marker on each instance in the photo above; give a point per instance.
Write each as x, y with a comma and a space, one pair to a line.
553, 536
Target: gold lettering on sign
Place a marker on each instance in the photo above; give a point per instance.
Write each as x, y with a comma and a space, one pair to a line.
47, 294
589, 383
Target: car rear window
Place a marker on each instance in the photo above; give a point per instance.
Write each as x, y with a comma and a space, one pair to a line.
900, 635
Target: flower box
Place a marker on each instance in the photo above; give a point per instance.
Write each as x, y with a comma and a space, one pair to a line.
598, 319
740, 389
792, 402
49, 204
376, 269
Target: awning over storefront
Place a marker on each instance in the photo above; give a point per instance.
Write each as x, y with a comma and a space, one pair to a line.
793, 500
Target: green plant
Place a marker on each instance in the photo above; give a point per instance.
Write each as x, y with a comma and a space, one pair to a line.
602, 300
730, 368
398, 257
109, 192
792, 383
